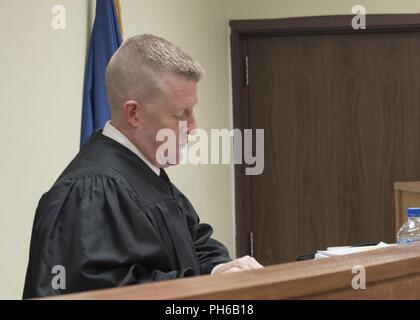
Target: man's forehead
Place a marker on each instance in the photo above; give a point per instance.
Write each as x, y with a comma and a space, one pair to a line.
183, 89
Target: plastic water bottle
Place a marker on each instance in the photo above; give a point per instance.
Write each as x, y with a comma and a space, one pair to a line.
410, 231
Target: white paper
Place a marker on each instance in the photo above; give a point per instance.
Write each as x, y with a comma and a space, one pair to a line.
340, 251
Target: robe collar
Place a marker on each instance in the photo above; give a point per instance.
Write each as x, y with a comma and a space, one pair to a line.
111, 132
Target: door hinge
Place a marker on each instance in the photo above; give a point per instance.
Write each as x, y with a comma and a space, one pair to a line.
246, 71
251, 244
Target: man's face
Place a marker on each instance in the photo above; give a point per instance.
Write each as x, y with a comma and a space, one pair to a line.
165, 112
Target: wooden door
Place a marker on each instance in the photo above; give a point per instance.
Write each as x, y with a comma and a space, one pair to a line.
341, 115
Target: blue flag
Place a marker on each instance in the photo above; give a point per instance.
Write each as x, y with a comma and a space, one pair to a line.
105, 40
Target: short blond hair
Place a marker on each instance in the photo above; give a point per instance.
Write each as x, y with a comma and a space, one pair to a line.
137, 68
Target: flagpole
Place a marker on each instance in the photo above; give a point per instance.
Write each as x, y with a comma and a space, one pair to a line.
119, 13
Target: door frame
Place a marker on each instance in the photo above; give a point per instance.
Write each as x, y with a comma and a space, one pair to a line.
241, 30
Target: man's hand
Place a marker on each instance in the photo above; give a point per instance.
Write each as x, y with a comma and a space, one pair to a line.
240, 264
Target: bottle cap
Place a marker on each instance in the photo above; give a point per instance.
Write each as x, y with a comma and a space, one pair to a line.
413, 212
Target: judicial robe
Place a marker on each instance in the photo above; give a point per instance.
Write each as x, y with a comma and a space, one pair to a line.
110, 221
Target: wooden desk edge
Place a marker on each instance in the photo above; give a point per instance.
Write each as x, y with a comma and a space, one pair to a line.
284, 281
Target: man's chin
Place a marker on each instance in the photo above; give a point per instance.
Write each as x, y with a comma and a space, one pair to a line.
174, 160
171, 163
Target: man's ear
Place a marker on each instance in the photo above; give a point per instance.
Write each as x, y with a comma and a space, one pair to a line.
132, 112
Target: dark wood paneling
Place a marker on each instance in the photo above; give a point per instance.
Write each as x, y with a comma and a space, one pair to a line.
241, 121
326, 25
240, 31
341, 115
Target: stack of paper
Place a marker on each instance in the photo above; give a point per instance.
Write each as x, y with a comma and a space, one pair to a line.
339, 251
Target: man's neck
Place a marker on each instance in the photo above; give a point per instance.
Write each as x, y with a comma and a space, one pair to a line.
121, 136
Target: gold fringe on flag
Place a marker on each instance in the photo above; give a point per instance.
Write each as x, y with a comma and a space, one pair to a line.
119, 13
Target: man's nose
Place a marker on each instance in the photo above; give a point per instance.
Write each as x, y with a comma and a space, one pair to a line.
191, 124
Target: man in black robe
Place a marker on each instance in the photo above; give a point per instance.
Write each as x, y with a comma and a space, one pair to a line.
113, 217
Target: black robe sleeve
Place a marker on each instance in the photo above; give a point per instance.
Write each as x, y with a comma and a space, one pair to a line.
96, 228
210, 252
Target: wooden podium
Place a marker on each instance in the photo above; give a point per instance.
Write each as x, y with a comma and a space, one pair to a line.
391, 273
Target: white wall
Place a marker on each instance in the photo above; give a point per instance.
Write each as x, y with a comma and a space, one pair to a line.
41, 83
271, 9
